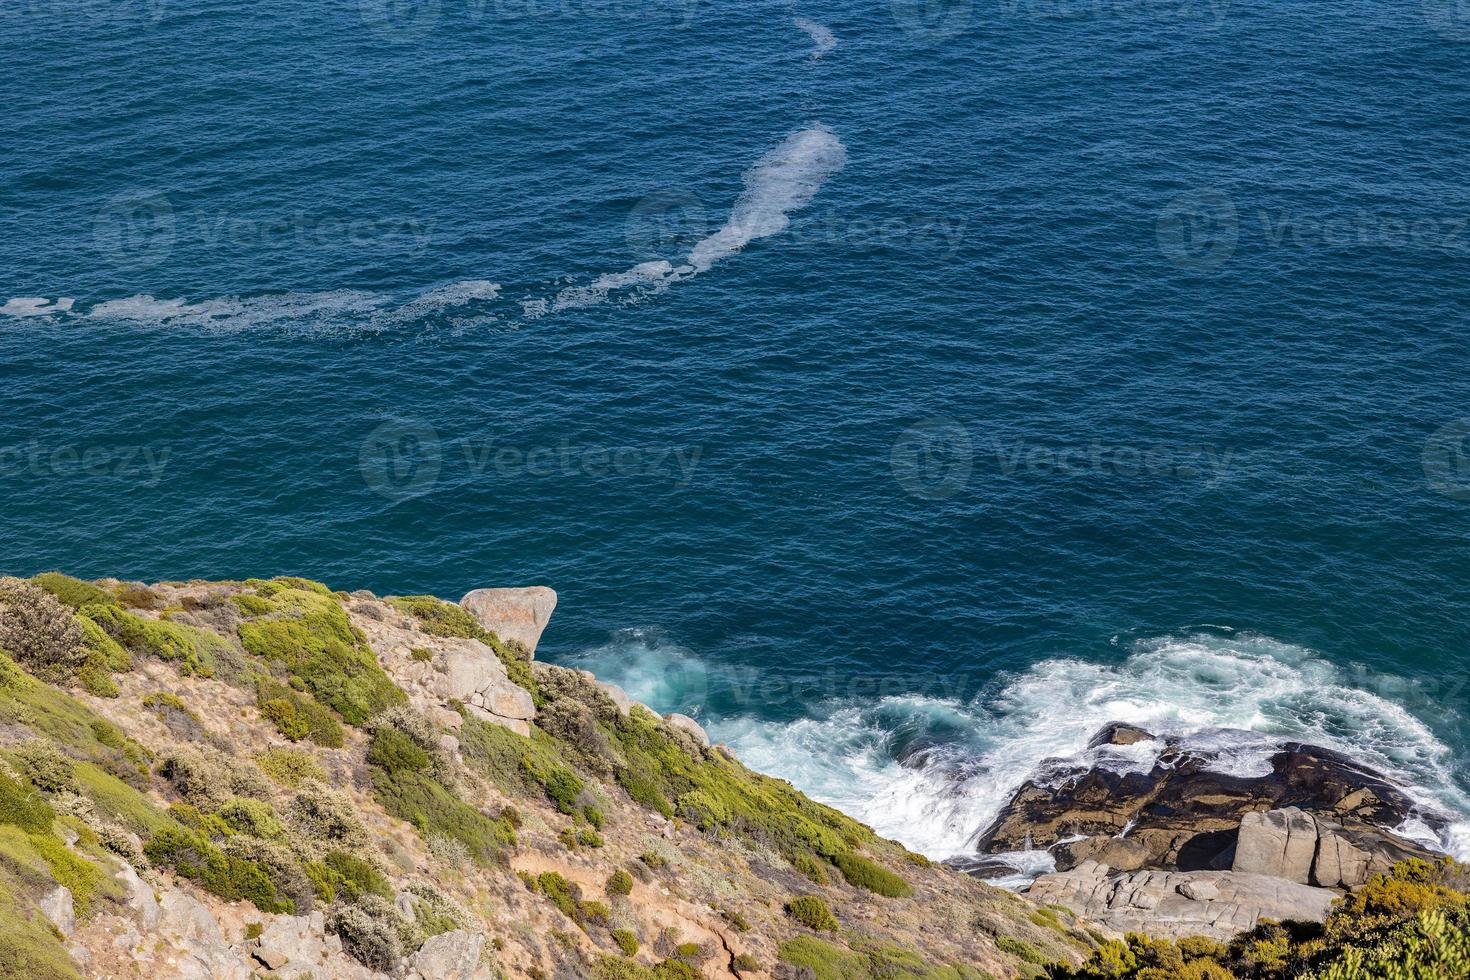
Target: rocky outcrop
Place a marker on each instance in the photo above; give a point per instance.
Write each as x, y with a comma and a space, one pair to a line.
1199, 903
1308, 849
469, 671
448, 956
57, 906
1185, 813
514, 615
437, 670
686, 724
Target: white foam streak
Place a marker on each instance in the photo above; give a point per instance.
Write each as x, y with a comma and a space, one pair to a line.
784, 180
823, 38
345, 309
655, 275
22, 307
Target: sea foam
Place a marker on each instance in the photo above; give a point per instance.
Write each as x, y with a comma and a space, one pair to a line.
823, 39
782, 181
934, 772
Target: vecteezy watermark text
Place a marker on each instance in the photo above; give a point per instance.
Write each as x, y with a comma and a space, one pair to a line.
141, 229
142, 464
1202, 229
402, 459
938, 458
405, 21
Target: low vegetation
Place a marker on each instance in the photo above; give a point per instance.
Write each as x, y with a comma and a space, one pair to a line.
1411, 924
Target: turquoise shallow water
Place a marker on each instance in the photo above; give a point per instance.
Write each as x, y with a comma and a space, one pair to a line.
1013, 366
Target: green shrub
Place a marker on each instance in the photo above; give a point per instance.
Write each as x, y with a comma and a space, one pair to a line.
746, 963
561, 893
812, 912
405, 784
1020, 948
626, 941
253, 817
44, 765
421, 655
718, 795
866, 960
74, 592
104, 656
813, 867
343, 875
518, 765
863, 873
620, 883
296, 715
310, 635
290, 767
108, 734
194, 651
251, 605
39, 631
23, 807
193, 856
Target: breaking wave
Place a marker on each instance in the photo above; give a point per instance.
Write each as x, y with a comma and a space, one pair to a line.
934, 772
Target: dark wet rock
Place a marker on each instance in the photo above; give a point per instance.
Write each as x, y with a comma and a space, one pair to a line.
1119, 733
1182, 816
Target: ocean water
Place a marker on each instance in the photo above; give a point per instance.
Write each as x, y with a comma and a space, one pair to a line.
903, 389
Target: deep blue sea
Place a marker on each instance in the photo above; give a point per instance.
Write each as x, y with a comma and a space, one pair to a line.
903, 388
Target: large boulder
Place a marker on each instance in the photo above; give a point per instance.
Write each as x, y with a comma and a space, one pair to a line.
1217, 904
1280, 843
451, 955
469, 671
514, 615
689, 726
57, 906
1185, 811
1310, 849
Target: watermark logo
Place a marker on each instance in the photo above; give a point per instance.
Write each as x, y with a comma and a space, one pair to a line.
665, 222
932, 21
136, 230
400, 21
1447, 460
141, 464
933, 460
1198, 230
401, 459
1450, 19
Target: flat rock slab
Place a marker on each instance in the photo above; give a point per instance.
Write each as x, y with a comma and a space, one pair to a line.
1217, 904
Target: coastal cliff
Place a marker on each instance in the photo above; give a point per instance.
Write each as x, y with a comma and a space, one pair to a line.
269, 778
272, 779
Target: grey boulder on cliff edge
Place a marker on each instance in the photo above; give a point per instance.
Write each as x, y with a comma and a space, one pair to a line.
514, 615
